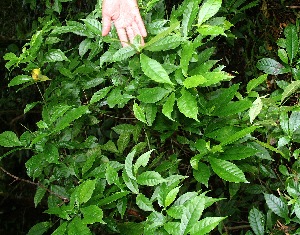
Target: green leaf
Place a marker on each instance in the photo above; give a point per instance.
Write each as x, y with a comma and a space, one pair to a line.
130, 183
203, 174
39, 194
238, 135
187, 104
206, 30
55, 112
144, 203
20, 79
129, 165
227, 170
186, 56
205, 225
85, 191
30, 106
9, 139
139, 113
191, 214
194, 81
256, 82
142, 161
92, 214
111, 175
69, 117
214, 78
294, 121
162, 34
152, 95
208, 9
51, 153
93, 25
255, 109
150, 112
290, 89
168, 106
171, 196
39, 228
122, 54
282, 54
76, 227
150, 178
154, 70
166, 43
277, 205
55, 55
172, 228
237, 152
112, 198
257, 221
292, 41
271, 66
84, 46
189, 15
61, 229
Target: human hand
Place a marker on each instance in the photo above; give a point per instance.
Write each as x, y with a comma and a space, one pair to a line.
126, 17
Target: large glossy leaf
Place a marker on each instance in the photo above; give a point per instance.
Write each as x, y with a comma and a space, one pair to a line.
294, 121
191, 214
20, 79
255, 109
70, 116
85, 190
166, 43
150, 178
92, 214
256, 82
292, 41
205, 225
55, 55
208, 9
76, 226
227, 170
257, 221
290, 89
139, 113
154, 70
189, 16
277, 205
271, 66
238, 135
168, 106
144, 203
186, 56
194, 81
100, 94
187, 104
152, 95
9, 139
142, 161
39, 228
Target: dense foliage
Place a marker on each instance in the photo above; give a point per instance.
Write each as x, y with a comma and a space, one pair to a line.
156, 139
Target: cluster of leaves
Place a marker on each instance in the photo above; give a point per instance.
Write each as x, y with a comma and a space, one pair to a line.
131, 138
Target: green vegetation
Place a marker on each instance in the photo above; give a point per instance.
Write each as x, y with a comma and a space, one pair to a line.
154, 139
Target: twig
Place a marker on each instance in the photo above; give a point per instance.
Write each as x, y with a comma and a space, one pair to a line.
65, 200
238, 227
293, 7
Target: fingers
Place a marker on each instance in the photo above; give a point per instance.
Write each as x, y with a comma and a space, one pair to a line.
122, 36
106, 25
141, 26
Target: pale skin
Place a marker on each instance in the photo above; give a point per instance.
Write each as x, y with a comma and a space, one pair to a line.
126, 17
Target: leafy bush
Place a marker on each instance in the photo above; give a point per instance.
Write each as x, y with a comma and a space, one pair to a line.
131, 139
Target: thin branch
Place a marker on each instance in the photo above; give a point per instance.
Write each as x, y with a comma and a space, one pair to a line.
65, 200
